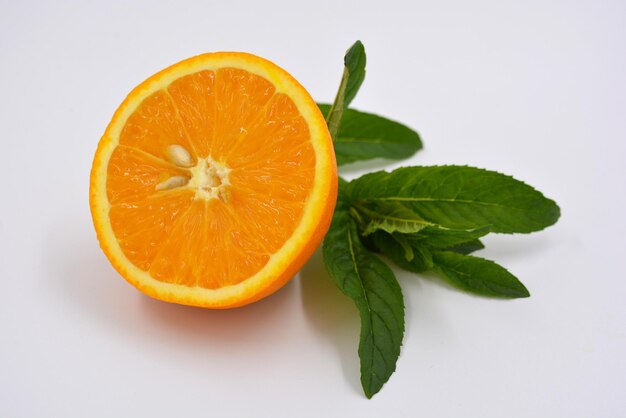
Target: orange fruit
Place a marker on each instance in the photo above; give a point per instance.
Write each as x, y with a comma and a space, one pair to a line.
214, 182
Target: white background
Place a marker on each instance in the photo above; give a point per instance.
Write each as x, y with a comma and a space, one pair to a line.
535, 89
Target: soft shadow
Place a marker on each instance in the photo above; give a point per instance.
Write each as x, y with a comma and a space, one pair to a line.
87, 284
84, 280
332, 315
258, 323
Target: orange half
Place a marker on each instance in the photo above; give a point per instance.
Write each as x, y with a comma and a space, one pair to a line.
214, 182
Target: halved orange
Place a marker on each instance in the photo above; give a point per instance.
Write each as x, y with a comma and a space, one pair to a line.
214, 182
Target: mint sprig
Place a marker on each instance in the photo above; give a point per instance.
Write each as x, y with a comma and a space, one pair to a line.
371, 284
420, 218
477, 275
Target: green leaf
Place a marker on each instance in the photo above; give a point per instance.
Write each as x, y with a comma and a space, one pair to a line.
477, 275
467, 247
363, 136
354, 62
406, 246
389, 217
412, 233
460, 197
372, 286
351, 80
393, 246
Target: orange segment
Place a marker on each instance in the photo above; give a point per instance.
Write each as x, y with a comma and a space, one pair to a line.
194, 97
214, 182
240, 97
197, 261
284, 136
154, 125
133, 174
142, 226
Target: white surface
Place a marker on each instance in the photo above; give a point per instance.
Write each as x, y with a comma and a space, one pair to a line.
534, 89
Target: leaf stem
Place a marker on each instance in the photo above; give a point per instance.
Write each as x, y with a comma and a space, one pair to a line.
333, 120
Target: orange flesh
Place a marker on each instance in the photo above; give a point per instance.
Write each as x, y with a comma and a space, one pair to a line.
237, 120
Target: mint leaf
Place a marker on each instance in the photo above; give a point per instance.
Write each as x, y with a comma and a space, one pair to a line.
406, 246
363, 136
354, 62
388, 216
472, 274
393, 246
467, 247
372, 286
477, 275
351, 80
460, 197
